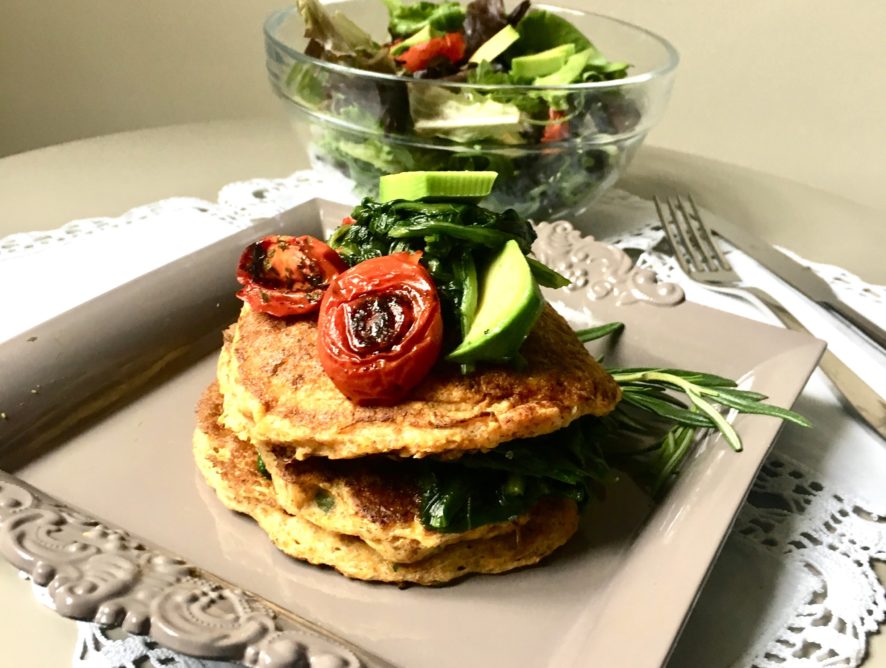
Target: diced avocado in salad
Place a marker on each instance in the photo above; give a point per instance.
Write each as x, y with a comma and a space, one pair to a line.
495, 46
529, 68
397, 126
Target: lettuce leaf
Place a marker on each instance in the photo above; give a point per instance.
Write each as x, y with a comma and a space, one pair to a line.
407, 20
484, 18
464, 117
335, 38
541, 30
366, 154
533, 106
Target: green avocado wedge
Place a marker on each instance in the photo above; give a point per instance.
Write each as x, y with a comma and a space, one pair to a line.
422, 35
495, 45
510, 303
569, 72
541, 64
413, 186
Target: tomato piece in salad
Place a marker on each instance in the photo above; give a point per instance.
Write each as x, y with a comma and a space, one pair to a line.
284, 275
557, 129
380, 329
417, 57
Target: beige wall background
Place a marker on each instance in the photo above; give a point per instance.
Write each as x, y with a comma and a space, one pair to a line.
792, 87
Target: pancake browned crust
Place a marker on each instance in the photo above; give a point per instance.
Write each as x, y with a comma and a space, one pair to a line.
228, 465
375, 498
275, 391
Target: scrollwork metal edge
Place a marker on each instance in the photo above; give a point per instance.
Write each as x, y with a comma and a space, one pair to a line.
95, 572
598, 269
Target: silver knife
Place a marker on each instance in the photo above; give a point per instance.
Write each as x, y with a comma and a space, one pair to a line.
858, 394
799, 277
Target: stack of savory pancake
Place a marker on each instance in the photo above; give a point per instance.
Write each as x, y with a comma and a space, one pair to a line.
343, 490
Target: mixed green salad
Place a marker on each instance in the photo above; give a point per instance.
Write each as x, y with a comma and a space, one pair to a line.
552, 148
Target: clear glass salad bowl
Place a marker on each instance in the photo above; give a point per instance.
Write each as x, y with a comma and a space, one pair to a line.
364, 124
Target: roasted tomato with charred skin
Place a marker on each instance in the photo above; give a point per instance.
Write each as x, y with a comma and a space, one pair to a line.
380, 329
283, 275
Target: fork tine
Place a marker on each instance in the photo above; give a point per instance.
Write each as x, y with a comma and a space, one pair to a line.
693, 240
681, 224
706, 235
669, 225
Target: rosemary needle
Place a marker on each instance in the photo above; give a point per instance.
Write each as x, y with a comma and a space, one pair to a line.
653, 391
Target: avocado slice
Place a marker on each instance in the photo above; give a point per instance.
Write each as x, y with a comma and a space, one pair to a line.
447, 185
423, 35
570, 72
541, 64
496, 45
510, 303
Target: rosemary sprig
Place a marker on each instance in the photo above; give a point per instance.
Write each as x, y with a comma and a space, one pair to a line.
645, 388
650, 408
594, 333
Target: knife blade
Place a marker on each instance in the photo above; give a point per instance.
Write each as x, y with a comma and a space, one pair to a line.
797, 276
857, 394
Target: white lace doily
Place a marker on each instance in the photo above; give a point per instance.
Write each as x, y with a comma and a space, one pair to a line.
794, 584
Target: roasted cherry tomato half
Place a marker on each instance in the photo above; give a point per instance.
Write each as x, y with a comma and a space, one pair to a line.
284, 275
380, 328
417, 57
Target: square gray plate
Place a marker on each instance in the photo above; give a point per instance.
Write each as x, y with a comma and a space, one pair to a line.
109, 427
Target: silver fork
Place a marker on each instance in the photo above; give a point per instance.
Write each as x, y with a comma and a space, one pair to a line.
700, 257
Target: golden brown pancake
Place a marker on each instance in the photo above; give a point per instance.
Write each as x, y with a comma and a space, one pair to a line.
229, 466
275, 391
375, 498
